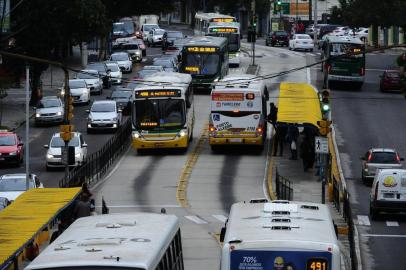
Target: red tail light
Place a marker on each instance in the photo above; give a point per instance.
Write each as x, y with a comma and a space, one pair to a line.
362, 71
369, 157
397, 158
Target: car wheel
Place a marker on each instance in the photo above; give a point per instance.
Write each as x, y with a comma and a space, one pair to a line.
89, 131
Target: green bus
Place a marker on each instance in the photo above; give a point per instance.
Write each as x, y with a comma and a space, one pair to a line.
206, 59
344, 61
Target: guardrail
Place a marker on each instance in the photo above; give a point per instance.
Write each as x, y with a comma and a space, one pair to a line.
284, 188
97, 164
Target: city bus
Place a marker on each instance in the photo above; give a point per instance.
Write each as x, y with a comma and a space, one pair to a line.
163, 111
280, 235
238, 112
344, 60
203, 20
206, 59
231, 31
139, 241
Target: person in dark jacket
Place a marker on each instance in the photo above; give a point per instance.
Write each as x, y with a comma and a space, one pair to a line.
279, 138
82, 207
273, 113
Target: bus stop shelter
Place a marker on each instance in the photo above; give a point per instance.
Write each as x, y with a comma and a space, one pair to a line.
298, 103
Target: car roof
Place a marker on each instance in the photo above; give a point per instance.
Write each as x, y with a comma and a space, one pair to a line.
122, 89
77, 80
389, 150
104, 101
119, 53
153, 67
111, 63
50, 97
392, 71
89, 71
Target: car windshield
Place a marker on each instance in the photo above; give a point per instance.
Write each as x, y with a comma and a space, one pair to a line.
113, 67
7, 140
58, 142
383, 157
103, 107
130, 46
126, 27
175, 35
121, 94
14, 184
346, 48
157, 68
49, 103
98, 67
303, 37
202, 64
159, 114
88, 75
119, 57
148, 28
77, 84
282, 34
159, 32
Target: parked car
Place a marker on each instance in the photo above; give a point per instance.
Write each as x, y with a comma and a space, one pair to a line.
123, 60
80, 91
53, 155
123, 98
341, 31
166, 63
134, 50
387, 192
93, 80
104, 72
379, 158
11, 148
390, 81
49, 110
302, 42
155, 37
115, 72
277, 38
104, 115
14, 184
361, 33
169, 38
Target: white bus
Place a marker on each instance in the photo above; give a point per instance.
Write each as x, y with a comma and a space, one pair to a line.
231, 31
280, 235
238, 111
163, 111
141, 241
203, 20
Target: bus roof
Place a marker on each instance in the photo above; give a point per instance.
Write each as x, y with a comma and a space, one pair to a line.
344, 39
207, 41
165, 80
212, 15
20, 226
241, 82
280, 221
115, 240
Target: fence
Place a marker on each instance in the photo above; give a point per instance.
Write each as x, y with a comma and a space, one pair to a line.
347, 214
284, 188
97, 164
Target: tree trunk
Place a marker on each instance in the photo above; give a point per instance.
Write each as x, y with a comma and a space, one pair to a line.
35, 84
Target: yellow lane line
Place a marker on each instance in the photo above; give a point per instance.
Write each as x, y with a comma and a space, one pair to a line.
270, 168
181, 192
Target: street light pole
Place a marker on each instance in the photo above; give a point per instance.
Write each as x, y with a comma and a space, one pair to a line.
315, 22
27, 126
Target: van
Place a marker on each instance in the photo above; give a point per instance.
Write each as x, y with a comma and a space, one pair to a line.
388, 192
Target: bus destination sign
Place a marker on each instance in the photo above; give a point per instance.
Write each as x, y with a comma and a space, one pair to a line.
157, 93
223, 30
224, 20
202, 49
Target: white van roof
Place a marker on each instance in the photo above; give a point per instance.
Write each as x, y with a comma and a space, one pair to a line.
241, 82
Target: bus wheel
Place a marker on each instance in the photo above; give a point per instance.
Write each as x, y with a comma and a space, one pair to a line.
191, 136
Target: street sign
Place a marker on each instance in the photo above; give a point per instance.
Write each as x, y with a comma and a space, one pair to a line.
321, 145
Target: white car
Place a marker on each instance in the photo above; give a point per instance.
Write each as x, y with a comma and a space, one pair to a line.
115, 72
104, 115
53, 156
93, 80
146, 28
155, 37
340, 31
49, 110
13, 185
123, 60
302, 42
156, 68
80, 91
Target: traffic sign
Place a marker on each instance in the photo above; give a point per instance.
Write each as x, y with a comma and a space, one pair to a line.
321, 145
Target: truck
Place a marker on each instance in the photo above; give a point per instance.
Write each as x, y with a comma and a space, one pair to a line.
145, 23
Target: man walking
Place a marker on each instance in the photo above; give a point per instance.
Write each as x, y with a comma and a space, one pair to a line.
273, 113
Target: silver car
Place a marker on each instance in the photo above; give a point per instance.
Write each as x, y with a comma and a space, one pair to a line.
49, 110
123, 60
379, 158
79, 91
104, 115
134, 50
93, 80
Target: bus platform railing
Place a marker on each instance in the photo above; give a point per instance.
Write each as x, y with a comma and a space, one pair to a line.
284, 188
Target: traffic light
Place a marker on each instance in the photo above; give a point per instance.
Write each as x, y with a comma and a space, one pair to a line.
69, 110
66, 132
325, 101
254, 21
324, 127
71, 155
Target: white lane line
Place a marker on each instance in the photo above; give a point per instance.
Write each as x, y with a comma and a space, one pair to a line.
309, 79
363, 220
222, 218
142, 206
392, 224
385, 235
196, 219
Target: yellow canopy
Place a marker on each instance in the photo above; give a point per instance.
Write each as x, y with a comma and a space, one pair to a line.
298, 103
27, 216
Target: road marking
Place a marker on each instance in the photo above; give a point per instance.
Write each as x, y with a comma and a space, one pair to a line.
142, 206
222, 218
363, 220
385, 235
392, 224
309, 78
196, 219
267, 186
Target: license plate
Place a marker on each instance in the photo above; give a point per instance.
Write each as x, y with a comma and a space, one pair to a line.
388, 195
236, 140
159, 144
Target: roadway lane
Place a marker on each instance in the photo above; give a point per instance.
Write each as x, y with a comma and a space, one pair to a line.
365, 119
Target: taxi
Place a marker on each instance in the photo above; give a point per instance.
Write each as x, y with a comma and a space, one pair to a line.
11, 148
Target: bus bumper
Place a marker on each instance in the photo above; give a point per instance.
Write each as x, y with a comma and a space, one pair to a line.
236, 141
150, 143
342, 78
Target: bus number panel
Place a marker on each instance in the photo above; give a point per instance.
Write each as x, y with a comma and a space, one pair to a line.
157, 93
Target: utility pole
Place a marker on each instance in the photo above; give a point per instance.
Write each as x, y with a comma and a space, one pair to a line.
254, 29
310, 11
315, 22
27, 127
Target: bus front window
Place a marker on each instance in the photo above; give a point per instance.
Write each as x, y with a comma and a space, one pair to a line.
159, 114
207, 63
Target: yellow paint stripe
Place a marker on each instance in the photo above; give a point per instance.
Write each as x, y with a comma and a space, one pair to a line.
270, 170
181, 192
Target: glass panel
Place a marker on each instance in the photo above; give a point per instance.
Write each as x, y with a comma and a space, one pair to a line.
14, 184
7, 140
103, 107
383, 157
207, 64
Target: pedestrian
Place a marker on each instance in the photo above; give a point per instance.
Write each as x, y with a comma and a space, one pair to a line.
293, 134
82, 207
55, 234
273, 114
283, 130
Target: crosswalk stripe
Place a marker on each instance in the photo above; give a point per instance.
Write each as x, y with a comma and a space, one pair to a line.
363, 220
392, 224
222, 218
196, 219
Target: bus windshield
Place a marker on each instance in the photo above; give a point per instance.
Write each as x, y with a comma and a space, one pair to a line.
205, 64
233, 40
159, 114
352, 50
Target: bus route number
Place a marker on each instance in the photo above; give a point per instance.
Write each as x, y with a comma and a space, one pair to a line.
317, 264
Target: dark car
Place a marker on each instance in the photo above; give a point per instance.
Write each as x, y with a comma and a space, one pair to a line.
11, 148
169, 38
390, 81
277, 38
104, 72
123, 97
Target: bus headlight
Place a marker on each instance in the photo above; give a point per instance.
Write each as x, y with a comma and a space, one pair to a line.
136, 135
216, 79
182, 133
237, 54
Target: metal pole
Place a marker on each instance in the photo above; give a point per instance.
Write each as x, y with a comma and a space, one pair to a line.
322, 178
66, 121
297, 10
27, 126
315, 22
